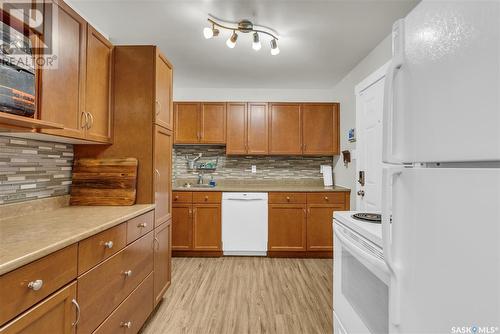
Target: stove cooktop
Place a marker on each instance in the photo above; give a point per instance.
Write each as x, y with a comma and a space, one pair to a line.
374, 218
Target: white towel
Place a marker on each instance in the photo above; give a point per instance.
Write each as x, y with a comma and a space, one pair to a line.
327, 176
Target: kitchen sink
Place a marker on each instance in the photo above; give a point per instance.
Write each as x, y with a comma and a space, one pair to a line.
197, 186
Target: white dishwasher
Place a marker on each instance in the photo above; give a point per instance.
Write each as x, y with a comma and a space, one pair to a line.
244, 224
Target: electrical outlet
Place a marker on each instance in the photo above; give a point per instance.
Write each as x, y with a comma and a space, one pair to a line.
254, 169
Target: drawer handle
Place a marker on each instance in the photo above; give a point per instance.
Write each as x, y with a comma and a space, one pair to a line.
176, 198
288, 198
326, 198
127, 324
74, 302
127, 273
206, 198
108, 244
141, 225
35, 285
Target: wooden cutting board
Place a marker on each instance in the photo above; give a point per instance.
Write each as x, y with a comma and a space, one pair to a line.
104, 182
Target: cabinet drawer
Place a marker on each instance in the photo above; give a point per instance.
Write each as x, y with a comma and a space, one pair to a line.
182, 197
139, 226
99, 247
18, 290
103, 288
285, 198
326, 198
206, 197
134, 311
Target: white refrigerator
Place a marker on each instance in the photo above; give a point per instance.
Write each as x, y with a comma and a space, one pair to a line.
441, 178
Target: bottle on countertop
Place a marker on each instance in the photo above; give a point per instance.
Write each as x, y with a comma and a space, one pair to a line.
212, 182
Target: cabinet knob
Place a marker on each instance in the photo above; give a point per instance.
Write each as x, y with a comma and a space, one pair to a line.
108, 244
35, 285
288, 198
326, 198
141, 225
127, 324
127, 273
206, 198
176, 197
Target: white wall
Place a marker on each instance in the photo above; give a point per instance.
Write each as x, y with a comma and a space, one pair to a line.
253, 95
343, 92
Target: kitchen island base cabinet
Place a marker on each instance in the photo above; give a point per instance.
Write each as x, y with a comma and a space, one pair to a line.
162, 260
55, 315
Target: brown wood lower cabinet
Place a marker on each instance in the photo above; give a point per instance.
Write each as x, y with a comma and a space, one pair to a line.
104, 287
320, 226
207, 227
300, 224
132, 313
54, 315
287, 227
162, 260
116, 291
196, 224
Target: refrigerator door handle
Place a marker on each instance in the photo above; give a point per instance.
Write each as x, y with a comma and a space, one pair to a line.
388, 177
388, 154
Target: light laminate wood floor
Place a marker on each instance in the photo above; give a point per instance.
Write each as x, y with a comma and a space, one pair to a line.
236, 295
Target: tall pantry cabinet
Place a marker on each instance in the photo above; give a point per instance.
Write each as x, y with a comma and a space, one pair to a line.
142, 123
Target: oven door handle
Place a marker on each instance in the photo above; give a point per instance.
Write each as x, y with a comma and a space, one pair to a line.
380, 264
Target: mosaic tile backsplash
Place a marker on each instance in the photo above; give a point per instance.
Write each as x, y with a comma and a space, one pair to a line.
31, 169
239, 167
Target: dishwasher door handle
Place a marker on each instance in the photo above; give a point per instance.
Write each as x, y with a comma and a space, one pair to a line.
244, 199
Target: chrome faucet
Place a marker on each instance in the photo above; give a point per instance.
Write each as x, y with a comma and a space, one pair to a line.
200, 177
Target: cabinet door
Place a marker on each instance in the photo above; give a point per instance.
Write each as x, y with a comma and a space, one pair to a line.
257, 134
319, 226
320, 125
207, 227
54, 315
163, 101
98, 86
162, 174
287, 227
213, 123
285, 129
63, 89
182, 227
187, 123
236, 128
162, 260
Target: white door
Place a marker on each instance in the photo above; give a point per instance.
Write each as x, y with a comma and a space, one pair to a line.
443, 86
444, 249
369, 111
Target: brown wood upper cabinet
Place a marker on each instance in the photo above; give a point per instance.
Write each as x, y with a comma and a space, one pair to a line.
200, 123
320, 128
247, 131
304, 129
163, 92
98, 87
77, 93
285, 129
62, 89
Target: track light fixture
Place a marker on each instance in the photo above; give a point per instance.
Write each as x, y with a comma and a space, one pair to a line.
243, 26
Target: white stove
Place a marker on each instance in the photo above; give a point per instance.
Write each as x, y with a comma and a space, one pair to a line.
361, 277
370, 230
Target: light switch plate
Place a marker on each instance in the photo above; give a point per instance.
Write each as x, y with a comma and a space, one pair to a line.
254, 169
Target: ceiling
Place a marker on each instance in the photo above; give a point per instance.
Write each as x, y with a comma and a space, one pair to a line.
320, 40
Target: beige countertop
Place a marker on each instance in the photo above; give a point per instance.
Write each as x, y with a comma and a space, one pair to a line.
246, 186
26, 238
